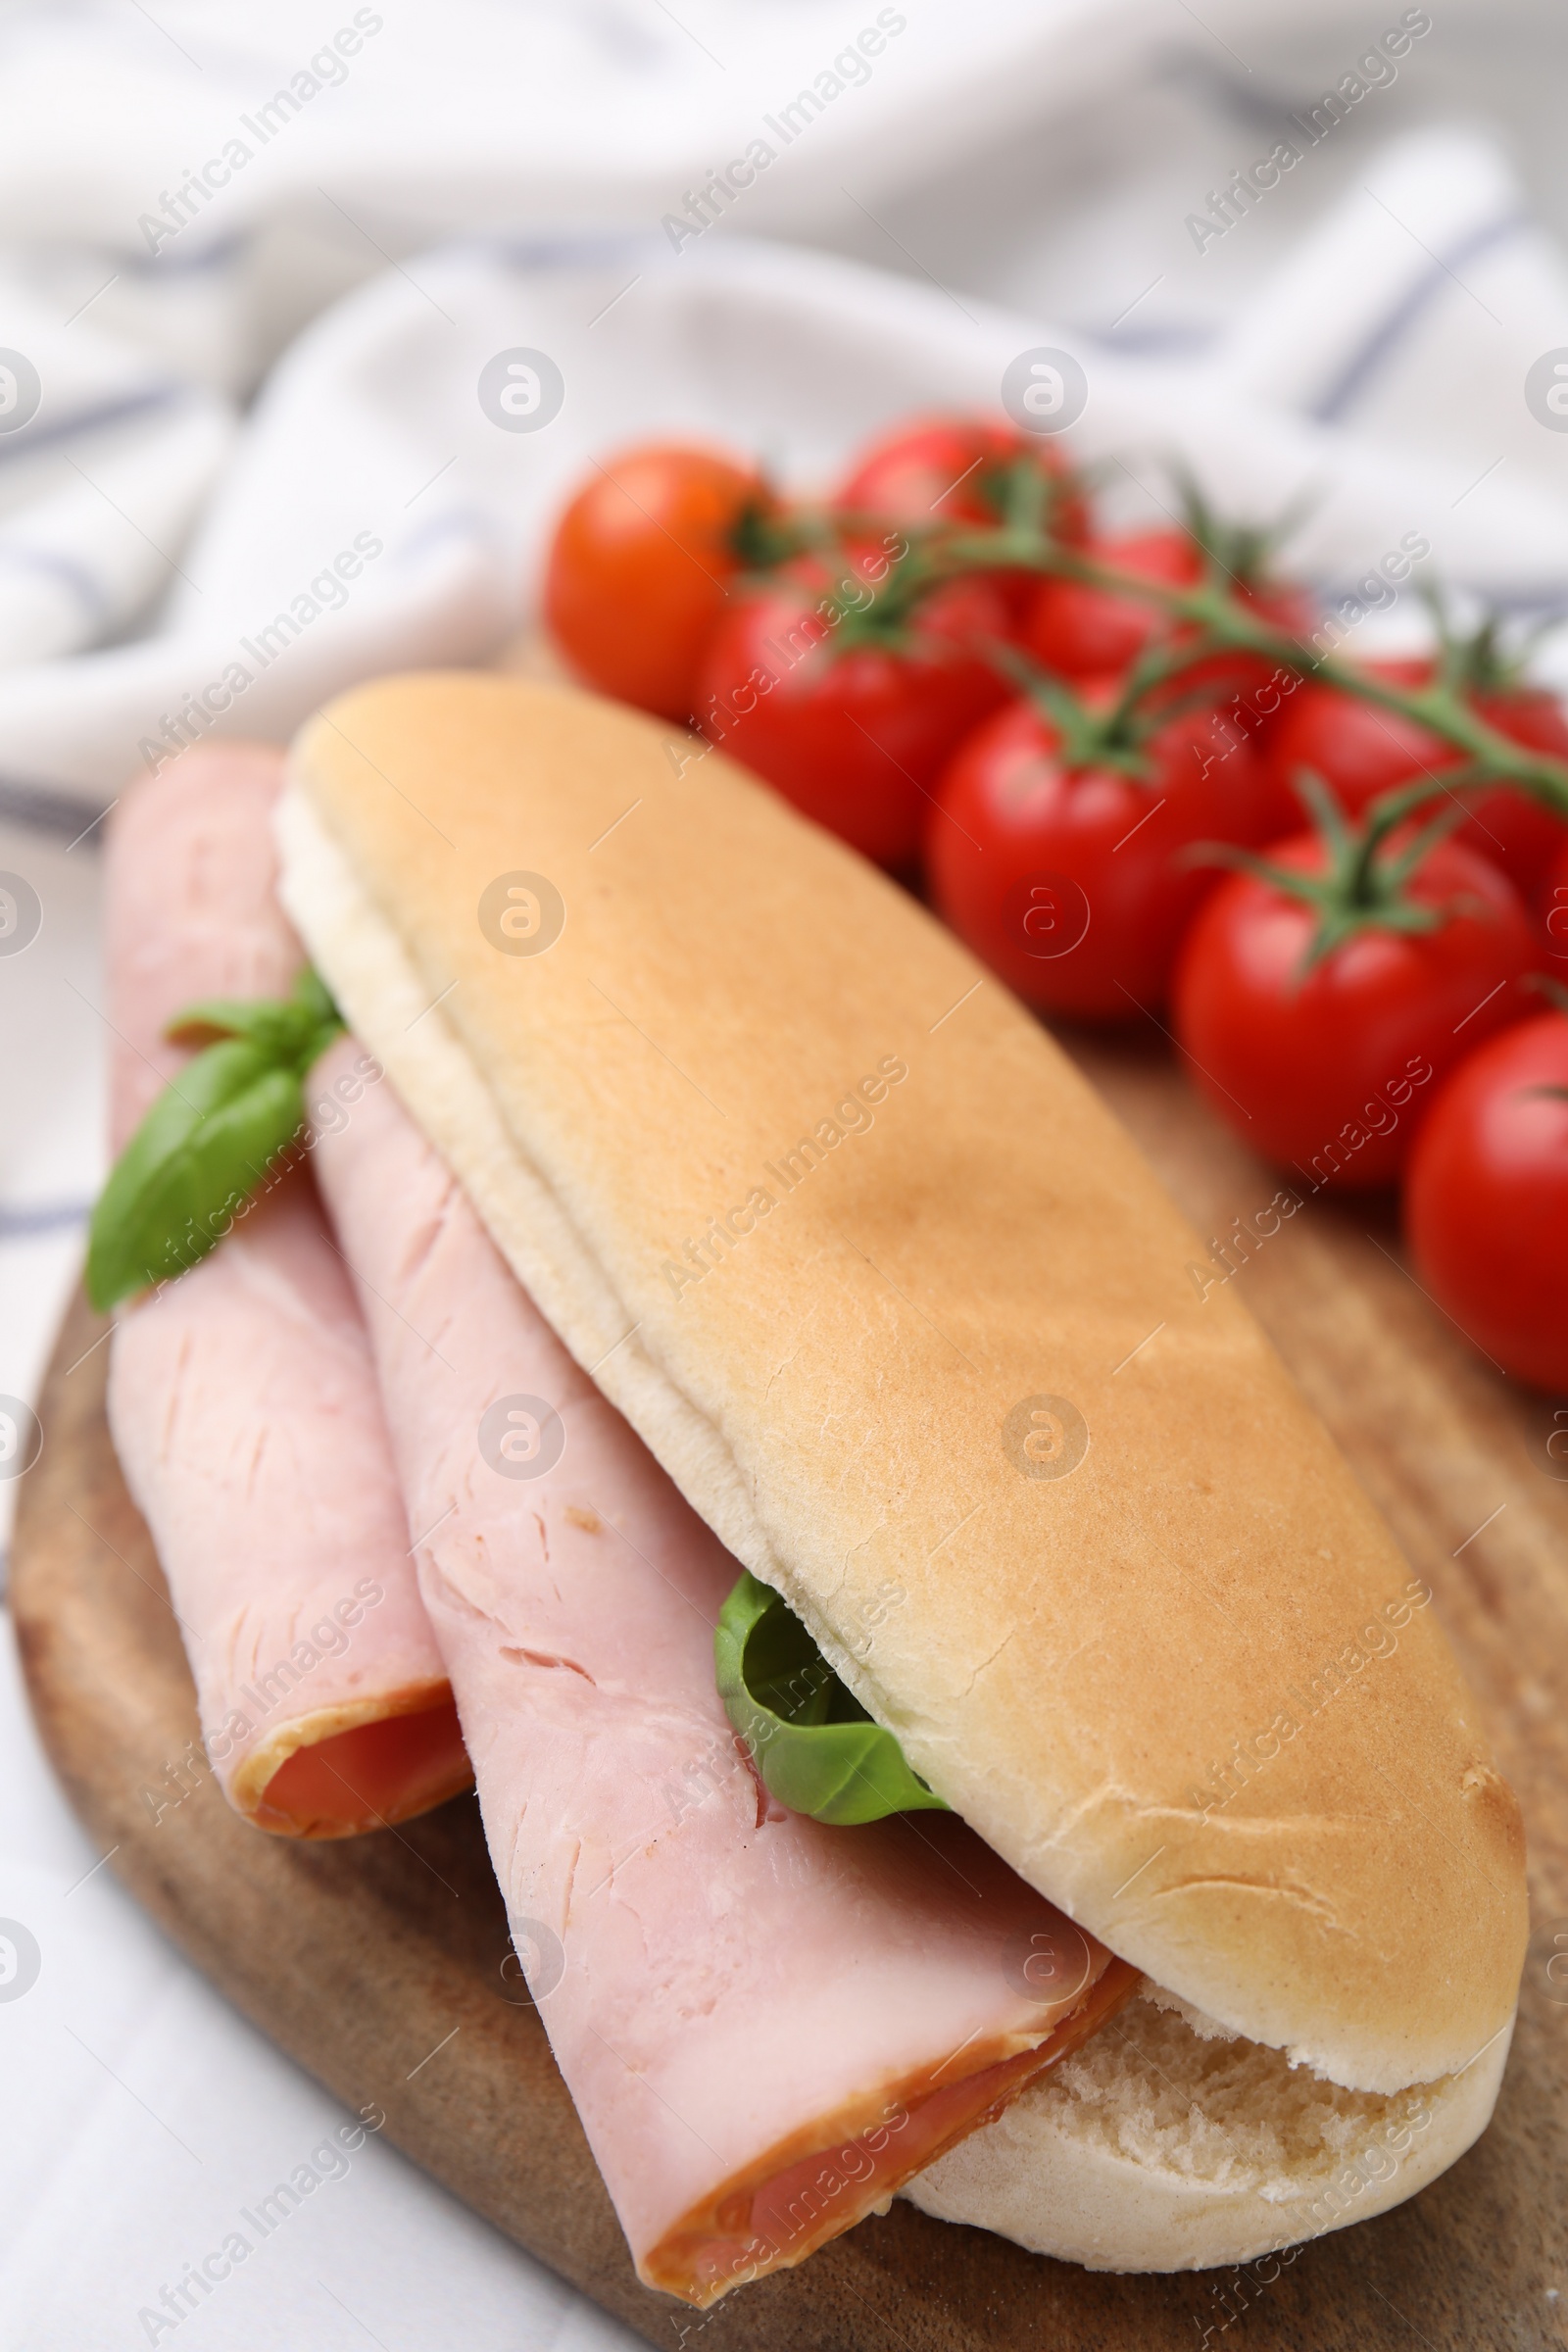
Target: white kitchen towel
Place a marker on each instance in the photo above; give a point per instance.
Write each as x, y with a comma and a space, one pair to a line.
90, 428
202, 172
385, 509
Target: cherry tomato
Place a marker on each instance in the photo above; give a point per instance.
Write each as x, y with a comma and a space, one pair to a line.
1077, 631
1552, 915
1067, 880
1364, 751
1329, 1068
1359, 749
1486, 1199
1513, 828
947, 468
850, 714
1084, 632
640, 568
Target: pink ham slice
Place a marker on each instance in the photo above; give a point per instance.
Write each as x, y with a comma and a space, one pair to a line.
242, 1398
766, 2025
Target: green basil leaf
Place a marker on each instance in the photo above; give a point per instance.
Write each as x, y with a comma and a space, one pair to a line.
294, 1029
314, 999
818, 1749
279, 1027
203, 1148
211, 1139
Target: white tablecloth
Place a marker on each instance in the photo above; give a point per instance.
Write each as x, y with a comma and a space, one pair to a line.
1005, 175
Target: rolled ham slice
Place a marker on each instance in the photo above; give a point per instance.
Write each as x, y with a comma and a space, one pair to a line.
766, 2025
242, 1398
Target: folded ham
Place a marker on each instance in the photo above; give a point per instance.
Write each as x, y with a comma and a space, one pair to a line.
242, 1398
766, 2025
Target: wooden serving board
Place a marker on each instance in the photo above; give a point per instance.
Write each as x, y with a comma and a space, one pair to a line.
360, 1958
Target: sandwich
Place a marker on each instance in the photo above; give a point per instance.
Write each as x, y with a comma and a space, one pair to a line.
902, 1318
946, 1722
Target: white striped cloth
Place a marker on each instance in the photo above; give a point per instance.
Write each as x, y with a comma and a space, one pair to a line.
487, 178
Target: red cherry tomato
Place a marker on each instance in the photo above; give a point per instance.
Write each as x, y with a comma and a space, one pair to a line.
639, 570
1486, 1199
1067, 881
1512, 828
1330, 1069
1078, 631
1552, 912
851, 720
946, 468
1084, 632
1359, 749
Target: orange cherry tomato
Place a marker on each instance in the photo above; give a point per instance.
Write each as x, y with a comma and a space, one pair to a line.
640, 570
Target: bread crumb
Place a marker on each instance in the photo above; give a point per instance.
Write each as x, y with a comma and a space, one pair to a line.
1217, 2109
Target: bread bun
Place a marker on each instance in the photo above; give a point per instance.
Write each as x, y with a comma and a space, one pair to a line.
1164, 2145
880, 1280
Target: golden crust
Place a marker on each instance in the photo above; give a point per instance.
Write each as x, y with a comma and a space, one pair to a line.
880, 1280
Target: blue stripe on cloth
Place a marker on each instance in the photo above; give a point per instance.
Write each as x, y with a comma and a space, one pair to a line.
1170, 338
29, 437
565, 251
75, 576
43, 1217
452, 522
1376, 346
177, 262
46, 809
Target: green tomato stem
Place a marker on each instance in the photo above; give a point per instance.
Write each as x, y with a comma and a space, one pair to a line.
1229, 624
